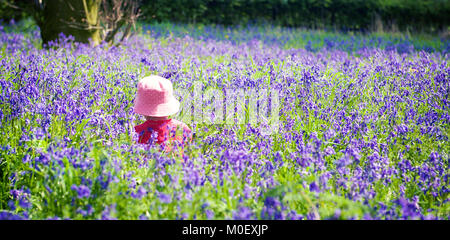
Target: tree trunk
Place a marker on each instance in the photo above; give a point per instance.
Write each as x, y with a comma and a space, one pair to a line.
78, 18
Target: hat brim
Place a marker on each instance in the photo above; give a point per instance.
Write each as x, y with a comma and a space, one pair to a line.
160, 110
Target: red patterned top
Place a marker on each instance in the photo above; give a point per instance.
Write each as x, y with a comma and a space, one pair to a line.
164, 132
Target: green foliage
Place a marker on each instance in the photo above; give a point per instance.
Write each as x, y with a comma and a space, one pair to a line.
12, 9
372, 15
342, 14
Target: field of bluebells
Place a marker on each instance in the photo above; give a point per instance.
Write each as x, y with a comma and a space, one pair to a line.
364, 127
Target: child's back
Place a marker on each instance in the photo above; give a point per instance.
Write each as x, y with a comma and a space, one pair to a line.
155, 101
163, 132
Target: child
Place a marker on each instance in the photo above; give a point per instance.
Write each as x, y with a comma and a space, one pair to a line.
155, 101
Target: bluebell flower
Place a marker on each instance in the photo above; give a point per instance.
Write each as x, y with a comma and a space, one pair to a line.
140, 193
209, 214
164, 198
12, 205
143, 217
4, 215
243, 213
24, 203
313, 187
82, 191
106, 213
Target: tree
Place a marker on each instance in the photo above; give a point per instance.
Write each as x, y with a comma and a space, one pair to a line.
115, 14
76, 18
86, 20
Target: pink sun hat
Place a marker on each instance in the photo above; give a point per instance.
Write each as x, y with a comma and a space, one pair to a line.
155, 97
